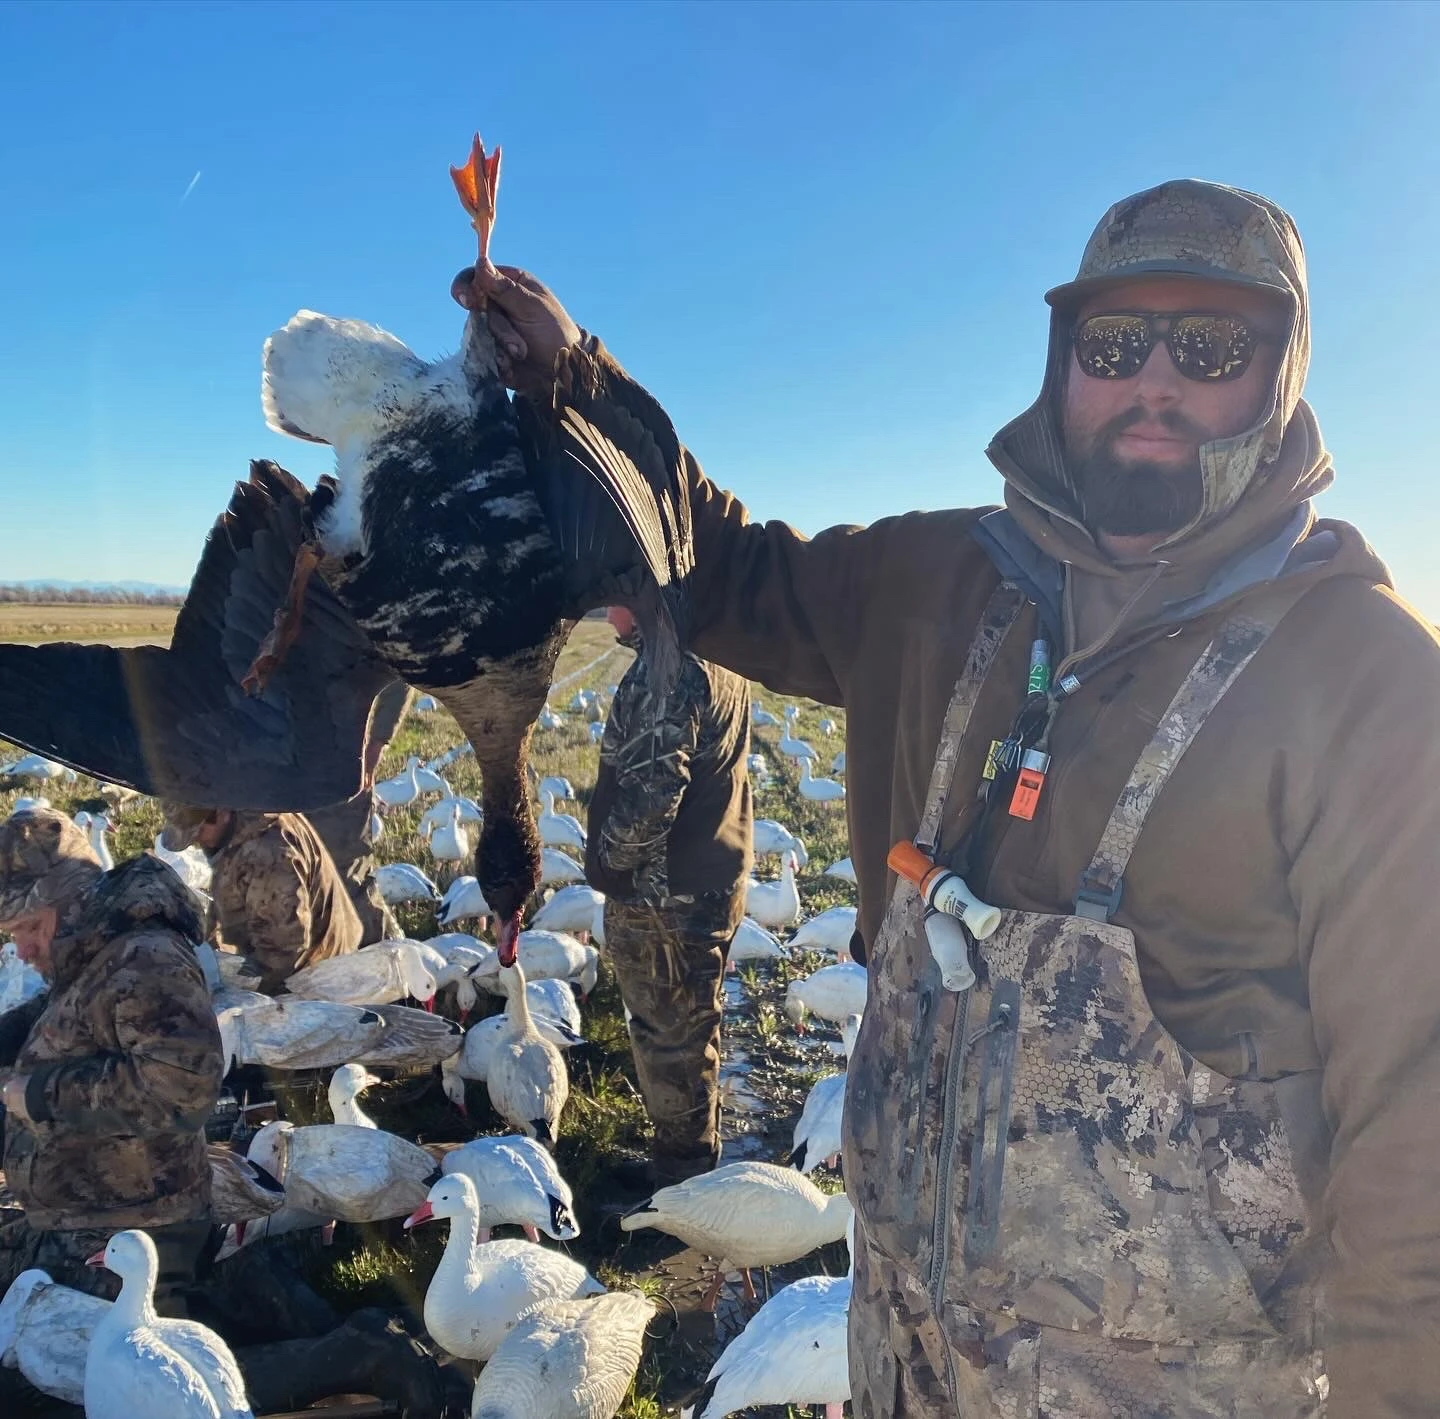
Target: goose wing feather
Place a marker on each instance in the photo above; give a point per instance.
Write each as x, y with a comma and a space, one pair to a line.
609, 472
175, 721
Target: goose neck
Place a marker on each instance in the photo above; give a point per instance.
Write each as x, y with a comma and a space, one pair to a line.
459, 1262
135, 1305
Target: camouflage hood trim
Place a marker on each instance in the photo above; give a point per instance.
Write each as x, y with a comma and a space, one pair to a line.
1186, 228
139, 893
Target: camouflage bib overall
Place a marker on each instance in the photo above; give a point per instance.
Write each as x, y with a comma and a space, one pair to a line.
1064, 1215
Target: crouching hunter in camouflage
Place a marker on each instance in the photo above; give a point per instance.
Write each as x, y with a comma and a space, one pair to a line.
670, 846
279, 898
110, 1077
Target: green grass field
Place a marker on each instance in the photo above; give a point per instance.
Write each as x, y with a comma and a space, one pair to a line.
604, 1121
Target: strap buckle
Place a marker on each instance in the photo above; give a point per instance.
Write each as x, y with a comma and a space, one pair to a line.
1094, 901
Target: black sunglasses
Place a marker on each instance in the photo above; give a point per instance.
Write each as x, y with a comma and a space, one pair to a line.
1203, 344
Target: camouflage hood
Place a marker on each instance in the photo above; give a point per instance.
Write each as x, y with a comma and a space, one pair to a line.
141, 893
1187, 228
45, 861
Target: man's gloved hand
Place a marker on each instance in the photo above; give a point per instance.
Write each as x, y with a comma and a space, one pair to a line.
530, 326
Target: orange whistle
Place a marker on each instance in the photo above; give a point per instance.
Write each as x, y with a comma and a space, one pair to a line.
1026, 798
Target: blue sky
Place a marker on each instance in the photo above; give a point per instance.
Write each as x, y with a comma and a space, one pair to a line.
819, 233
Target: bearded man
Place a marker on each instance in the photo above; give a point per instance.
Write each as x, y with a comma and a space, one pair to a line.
1173, 1150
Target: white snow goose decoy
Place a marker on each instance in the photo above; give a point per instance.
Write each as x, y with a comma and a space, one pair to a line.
819, 790
752, 942
477, 1292
45, 1331
546, 955
829, 930
413, 1039
373, 975
557, 785
761, 717
346, 1085
557, 868
571, 909
819, 1132
438, 813
517, 1183
401, 882
402, 790
775, 904
844, 869
463, 901
138, 1364
566, 1360
295, 1033
338, 1170
774, 839
528, 1081
449, 842
745, 1214
794, 1351
559, 829
794, 748
832, 993
95, 826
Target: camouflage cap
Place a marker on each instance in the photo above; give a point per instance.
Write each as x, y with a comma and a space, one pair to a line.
1190, 228
45, 860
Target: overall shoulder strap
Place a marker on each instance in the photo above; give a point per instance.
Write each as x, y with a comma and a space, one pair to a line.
1001, 612
1231, 649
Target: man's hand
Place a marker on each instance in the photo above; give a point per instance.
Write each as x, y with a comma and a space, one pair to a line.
530, 326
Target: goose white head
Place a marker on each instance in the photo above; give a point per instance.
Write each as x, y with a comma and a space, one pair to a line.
849, 1033
131, 1255
453, 1196
347, 384
346, 1085
415, 976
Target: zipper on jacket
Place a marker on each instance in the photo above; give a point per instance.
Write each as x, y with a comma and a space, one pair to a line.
1001, 1029
945, 1180
945, 1169
992, 1122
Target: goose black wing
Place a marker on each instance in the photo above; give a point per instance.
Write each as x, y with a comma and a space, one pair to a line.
607, 464
175, 722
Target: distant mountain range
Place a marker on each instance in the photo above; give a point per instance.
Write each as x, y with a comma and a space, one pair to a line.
130, 588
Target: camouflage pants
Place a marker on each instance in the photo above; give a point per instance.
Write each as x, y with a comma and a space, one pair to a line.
63, 1254
670, 962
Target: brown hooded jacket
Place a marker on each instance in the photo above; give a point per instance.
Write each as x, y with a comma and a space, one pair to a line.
1280, 892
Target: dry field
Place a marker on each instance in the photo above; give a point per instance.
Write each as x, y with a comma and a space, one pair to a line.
120, 624
768, 1067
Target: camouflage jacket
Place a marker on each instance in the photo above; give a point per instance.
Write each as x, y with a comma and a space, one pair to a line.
123, 1065
671, 813
279, 899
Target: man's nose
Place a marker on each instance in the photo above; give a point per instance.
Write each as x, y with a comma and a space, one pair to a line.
1159, 383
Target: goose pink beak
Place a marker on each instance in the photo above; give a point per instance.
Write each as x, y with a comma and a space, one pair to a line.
507, 947
421, 1214
98, 1260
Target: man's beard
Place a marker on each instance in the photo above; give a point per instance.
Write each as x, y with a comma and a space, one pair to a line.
1128, 498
